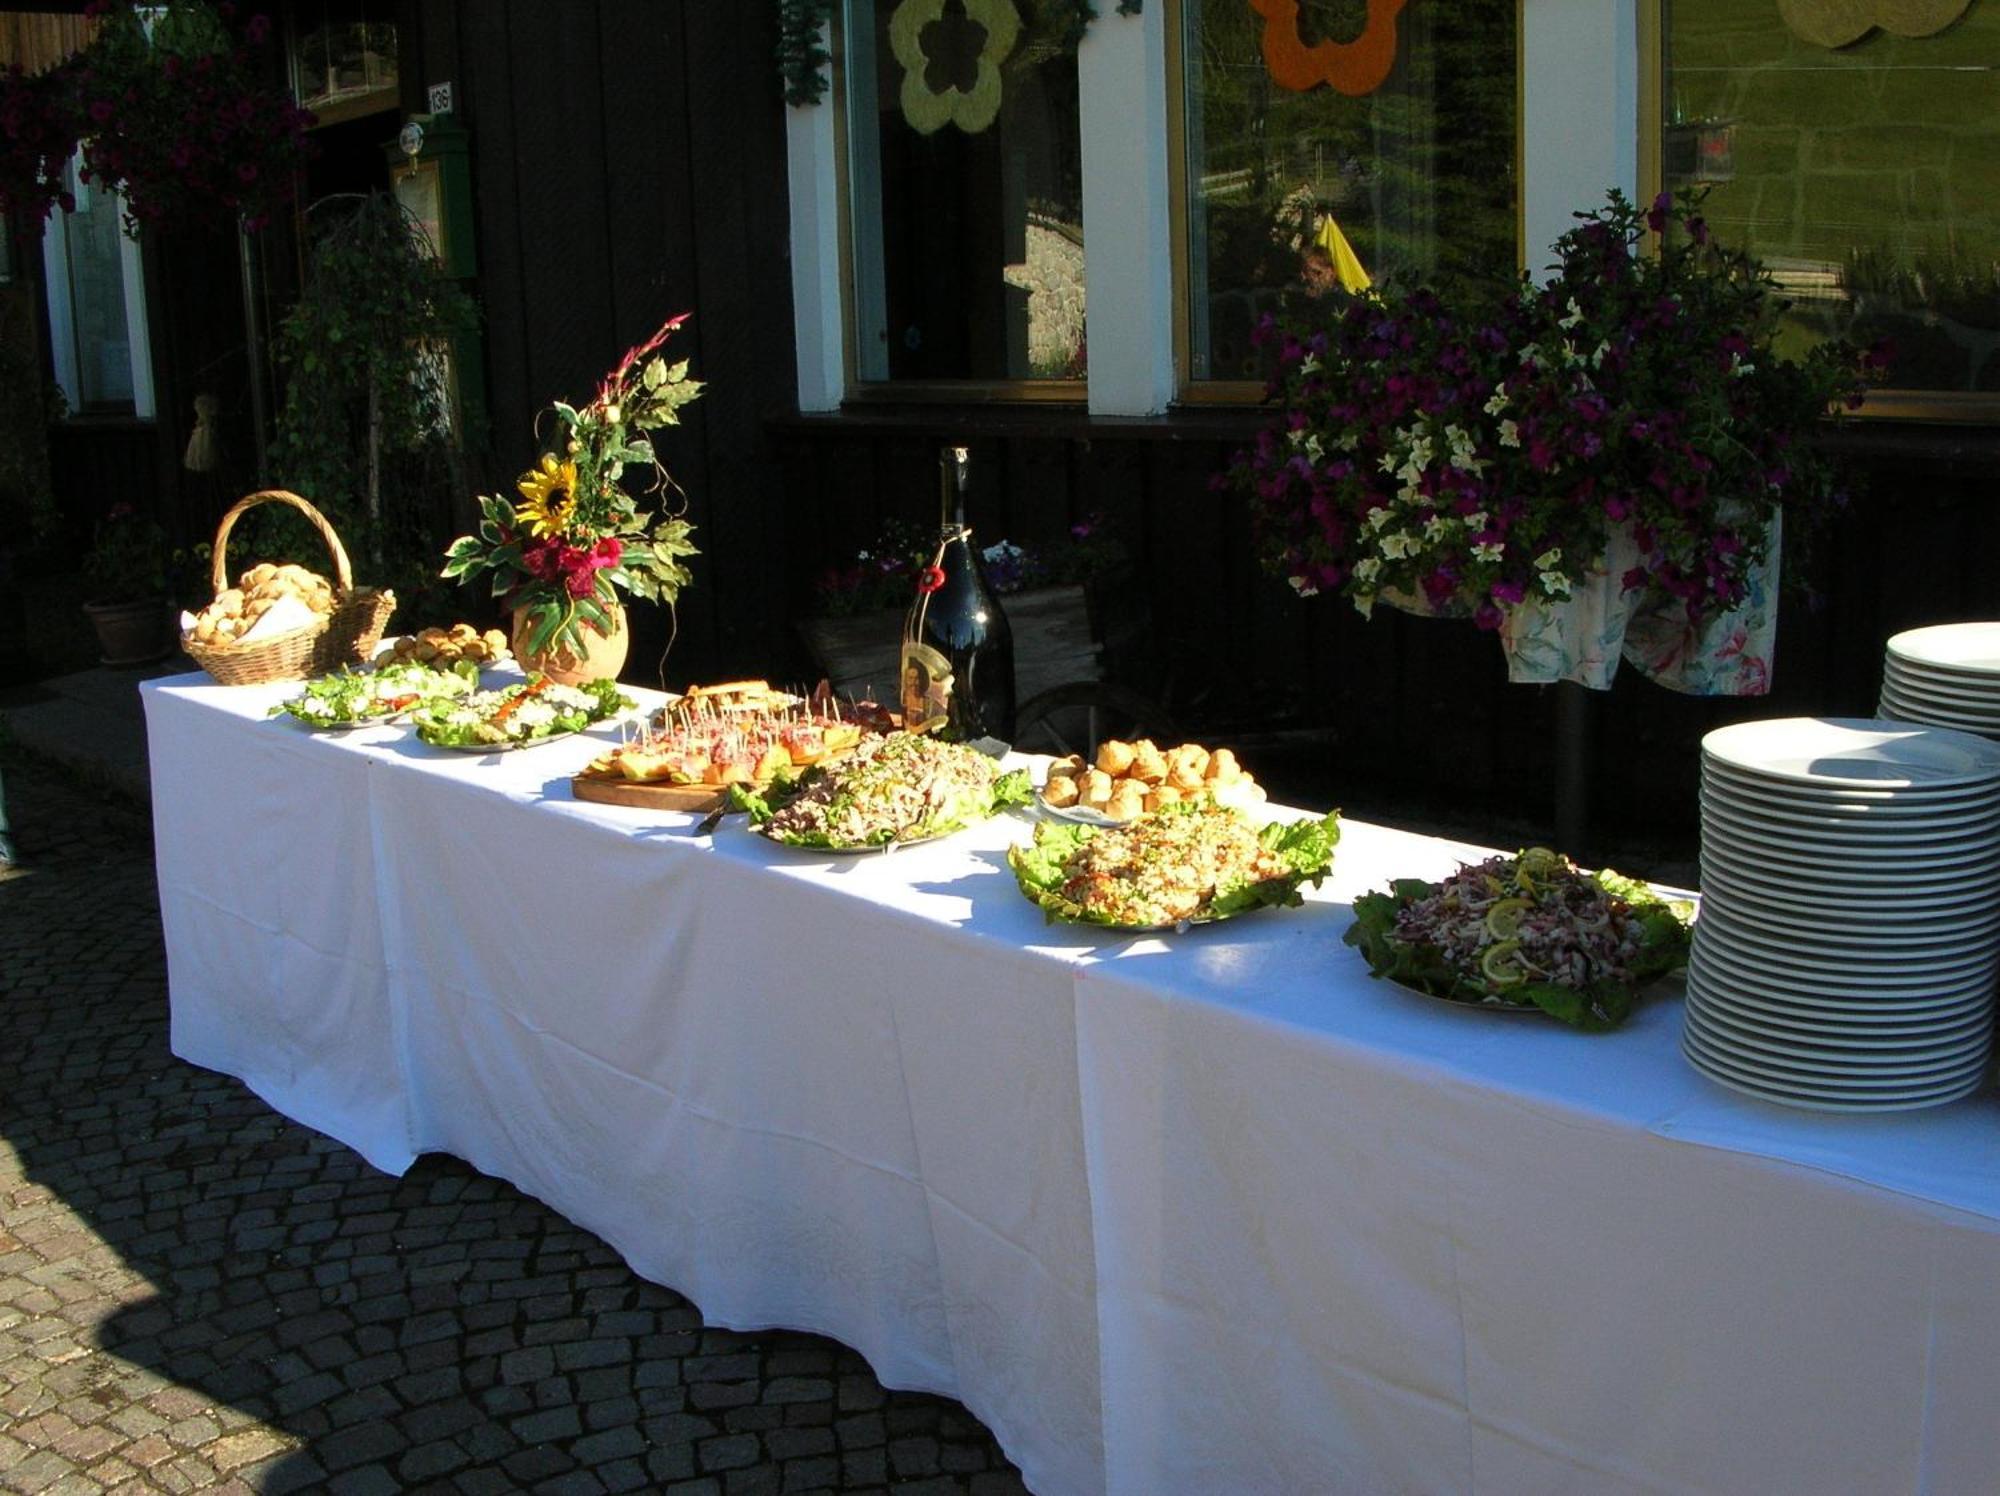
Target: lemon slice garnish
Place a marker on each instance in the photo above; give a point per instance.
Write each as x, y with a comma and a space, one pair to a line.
1540, 862
1501, 965
1503, 920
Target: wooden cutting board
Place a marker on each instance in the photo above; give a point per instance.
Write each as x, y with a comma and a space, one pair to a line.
644, 795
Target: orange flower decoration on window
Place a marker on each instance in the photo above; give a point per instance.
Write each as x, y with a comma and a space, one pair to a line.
1353, 68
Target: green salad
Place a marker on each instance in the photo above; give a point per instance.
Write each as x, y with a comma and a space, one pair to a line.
1528, 931
1183, 864
902, 787
359, 698
531, 711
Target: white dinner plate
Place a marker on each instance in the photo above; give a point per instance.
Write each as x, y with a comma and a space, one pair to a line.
1847, 1073
1973, 648
1811, 892
1916, 1031
1913, 980
1948, 1054
1978, 698
1859, 1012
1751, 1082
1952, 953
1916, 1101
1854, 751
1900, 808
1866, 906
1834, 990
1860, 835
1901, 704
1909, 799
1891, 866
1949, 930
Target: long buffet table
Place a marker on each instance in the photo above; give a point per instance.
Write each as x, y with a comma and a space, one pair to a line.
1213, 1212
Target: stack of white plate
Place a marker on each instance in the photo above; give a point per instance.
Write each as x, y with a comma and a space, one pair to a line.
1850, 916
1947, 676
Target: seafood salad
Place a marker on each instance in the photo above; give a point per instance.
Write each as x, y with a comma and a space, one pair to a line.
1529, 930
898, 788
1187, 862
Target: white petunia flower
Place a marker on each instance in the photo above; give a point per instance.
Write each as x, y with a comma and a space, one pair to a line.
1367, 569
1492, 550
1510, 434
1499, 401
1555, 584
1302, 587
1548, 558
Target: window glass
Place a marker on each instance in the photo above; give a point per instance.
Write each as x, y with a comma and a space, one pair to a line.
1862, 166
1338, 163
94, 243
966, 191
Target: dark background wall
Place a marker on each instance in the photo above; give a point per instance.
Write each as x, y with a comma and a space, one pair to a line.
1402, 708
629, 164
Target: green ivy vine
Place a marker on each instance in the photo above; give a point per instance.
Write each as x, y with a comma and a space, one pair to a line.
365, 428
802, 54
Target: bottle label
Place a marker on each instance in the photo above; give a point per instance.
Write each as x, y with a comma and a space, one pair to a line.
927, 683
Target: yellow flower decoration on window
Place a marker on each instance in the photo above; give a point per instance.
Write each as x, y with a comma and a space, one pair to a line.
550, 492
1836, 23
933, 94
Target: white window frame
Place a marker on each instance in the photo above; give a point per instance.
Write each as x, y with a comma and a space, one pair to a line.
62, 311
1580, 123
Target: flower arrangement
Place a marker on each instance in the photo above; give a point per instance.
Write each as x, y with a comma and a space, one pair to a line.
1476, 456
887, 572
576, 539
185, 116
128, 558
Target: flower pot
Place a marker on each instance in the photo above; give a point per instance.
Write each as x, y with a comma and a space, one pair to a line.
1580, 638
602, 658
133, 633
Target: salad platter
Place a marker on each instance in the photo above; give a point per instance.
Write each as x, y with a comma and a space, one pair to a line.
1188, 863
1529, 932
347, 698
895, 790
523, 715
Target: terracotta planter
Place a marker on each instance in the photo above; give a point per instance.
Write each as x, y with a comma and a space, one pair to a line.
133, 633
602, 658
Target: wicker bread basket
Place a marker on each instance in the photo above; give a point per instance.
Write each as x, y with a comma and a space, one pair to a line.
347, 636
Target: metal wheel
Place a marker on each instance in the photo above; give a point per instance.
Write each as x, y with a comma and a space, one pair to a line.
1077, 717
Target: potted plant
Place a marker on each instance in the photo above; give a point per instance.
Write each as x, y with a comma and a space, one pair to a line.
125, 582
1609, 450
575, 542
178, 109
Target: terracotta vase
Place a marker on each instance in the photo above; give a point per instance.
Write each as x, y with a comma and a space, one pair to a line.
133, 633
602, 658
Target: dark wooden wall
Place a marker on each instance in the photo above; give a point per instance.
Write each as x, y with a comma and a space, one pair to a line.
629, 164
1417, 707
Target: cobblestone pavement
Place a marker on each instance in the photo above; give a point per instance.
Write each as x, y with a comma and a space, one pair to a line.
198, 1295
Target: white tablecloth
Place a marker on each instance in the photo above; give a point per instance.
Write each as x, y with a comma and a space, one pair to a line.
1205, 1213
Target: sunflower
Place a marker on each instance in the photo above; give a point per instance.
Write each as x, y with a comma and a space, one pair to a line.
550, 492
